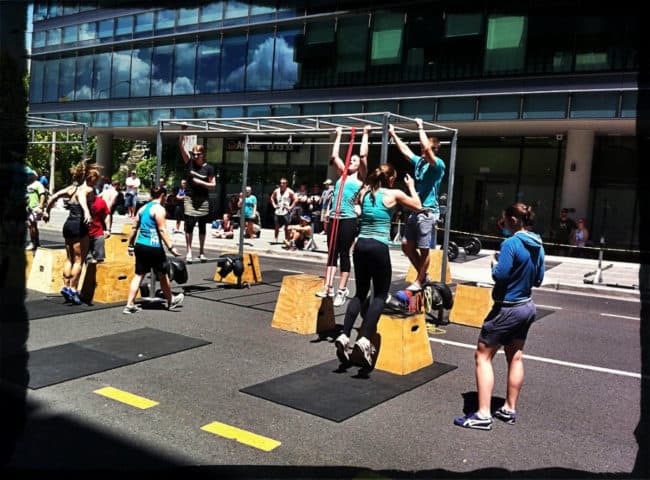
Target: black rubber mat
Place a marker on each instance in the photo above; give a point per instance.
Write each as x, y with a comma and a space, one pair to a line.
548, 265
54, 305
326, 392
52, 365
275, 276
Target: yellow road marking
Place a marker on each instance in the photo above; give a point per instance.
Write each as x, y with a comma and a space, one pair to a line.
126, 397
241, 436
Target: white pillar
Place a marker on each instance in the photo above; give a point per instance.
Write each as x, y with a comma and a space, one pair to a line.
105, 154
577, 171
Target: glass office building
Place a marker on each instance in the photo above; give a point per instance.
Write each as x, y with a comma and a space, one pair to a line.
545, 103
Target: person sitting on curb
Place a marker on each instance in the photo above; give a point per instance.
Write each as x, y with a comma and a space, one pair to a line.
225, 229
299, 235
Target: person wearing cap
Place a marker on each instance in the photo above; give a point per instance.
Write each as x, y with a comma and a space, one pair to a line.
419, 232
299, 235
131, 194
200, 180
326, 204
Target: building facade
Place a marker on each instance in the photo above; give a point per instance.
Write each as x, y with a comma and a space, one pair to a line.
544, 102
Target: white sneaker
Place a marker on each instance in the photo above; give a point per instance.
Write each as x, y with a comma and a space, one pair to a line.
203, 258
29, 246
341, 296
130, 309
188, 257
325, 292
414, 287
176, 301
341, 343
367, 350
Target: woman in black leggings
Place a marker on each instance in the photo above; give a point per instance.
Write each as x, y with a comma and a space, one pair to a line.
375, 207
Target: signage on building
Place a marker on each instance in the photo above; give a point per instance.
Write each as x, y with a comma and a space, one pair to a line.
238, 145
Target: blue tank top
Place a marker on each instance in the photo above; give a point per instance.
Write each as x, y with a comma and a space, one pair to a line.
350, 190
376, 218
148, 232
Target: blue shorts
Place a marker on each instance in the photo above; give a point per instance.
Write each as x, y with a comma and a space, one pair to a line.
507, 323
419, 229
129, 200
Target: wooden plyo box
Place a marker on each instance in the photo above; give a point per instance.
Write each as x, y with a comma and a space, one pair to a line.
471, 305
434, 270
126, 228
116, 247
402, 344
46, 273
107, 282
299, 310
251, 275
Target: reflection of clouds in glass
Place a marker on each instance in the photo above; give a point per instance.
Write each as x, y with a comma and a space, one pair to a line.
259, 69
160, 87
122, 61
183, 85
140, 70
83, 92
185, 55
286, 70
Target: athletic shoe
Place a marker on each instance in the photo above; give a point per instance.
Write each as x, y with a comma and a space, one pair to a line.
74, 297
30, 246
188, 257
176, 301
427, 278
341, 296
203, 258
506, 415
341, 343
325, 292
367, 350
65, 291
129, 309
414, 287
473, 421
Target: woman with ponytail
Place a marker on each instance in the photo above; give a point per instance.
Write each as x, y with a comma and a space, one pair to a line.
516, 269
75, 228
343, 221
375, 206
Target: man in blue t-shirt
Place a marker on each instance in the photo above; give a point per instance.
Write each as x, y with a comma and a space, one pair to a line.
419, 230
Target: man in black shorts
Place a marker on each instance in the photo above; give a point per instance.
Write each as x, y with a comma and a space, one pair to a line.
200, 180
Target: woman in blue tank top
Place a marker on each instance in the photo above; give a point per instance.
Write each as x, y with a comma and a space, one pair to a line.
375, 206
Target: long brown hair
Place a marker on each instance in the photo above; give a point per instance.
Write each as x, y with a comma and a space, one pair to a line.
378, 178
523, 213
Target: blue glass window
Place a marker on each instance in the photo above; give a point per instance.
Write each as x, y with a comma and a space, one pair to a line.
38, 40
160, 114
101, 119
143, 25
87, 31
499, 108
387, 38
233, 63
66, 79
258, 111
188, 18
211, 12
53, 37
36, 81
105, 28
140, 71
232, 112
40, 10
161, 70
84, 117
207, 66
352, 44
70, 34
285, 110
454, 109
124, 28
285, 68
165, 21
315, 109
184, 65
505, 45
51, 80
121, 74
183, 113
235, 10
207, 112
347, 107
70, 8
68, 116
594, 105
84, 77
102, 76
628, 105
260, 58
120, 118
419, 108
139, 118
545, 106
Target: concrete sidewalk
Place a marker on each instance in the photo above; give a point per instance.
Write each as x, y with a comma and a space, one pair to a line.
618, 279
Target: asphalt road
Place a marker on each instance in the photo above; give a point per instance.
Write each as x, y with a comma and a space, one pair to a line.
578, 408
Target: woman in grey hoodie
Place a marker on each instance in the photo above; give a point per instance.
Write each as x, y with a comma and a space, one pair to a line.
515, 270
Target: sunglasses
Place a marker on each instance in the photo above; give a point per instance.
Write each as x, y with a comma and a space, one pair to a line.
197, 154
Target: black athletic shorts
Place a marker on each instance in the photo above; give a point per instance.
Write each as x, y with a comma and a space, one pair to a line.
147, 258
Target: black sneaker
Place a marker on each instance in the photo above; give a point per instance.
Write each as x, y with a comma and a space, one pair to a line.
473, 421
506, 416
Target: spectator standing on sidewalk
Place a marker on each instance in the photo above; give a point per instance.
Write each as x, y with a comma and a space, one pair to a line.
131, 194
283, 199
35, 204
146, 241
250, 210
518, 268
326, 204
419, 231
200, 180
580, 237
340, 240
180, 208
562, 232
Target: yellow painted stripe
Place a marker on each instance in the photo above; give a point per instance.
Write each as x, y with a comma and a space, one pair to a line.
241, 436
126, 397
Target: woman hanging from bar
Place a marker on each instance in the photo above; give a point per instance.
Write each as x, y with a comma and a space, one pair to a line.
343, 220
375, 207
